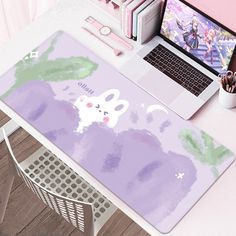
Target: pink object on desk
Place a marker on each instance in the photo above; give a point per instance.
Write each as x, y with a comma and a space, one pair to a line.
113, 5
129, 16
105, 1
115, 51
107, 31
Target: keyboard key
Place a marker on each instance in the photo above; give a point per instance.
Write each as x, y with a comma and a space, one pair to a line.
178, 70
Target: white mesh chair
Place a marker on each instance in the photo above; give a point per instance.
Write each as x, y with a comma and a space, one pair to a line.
60, 188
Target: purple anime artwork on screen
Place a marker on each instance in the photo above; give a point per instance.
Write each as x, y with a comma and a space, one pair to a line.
197, 34
151, 159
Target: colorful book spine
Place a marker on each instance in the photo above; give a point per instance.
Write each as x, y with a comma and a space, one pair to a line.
129, 16
135, 17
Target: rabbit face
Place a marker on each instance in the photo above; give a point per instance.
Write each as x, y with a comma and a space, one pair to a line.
105, 108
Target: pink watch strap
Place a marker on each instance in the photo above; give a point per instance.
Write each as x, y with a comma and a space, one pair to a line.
120, 40
94, 22
112, 35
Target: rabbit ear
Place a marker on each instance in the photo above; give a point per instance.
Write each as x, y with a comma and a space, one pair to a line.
120, 107
111, 94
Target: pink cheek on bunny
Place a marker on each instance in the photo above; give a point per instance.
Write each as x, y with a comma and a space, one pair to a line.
89, 104
106, 120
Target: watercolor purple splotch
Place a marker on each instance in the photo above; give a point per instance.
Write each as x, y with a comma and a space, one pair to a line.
150, 158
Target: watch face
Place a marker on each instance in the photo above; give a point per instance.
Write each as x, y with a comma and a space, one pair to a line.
105, 30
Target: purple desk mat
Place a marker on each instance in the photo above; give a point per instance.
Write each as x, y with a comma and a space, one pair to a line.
157, 163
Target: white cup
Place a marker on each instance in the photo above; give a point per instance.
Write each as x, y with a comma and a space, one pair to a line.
226, 99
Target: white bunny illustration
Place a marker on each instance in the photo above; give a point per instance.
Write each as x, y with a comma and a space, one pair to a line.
105, 108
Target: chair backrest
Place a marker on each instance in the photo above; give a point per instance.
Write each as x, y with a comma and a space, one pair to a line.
79, 214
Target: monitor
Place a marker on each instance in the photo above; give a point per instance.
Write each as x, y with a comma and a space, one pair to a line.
198, 35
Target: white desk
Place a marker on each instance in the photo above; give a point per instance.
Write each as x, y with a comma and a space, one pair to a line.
215, 213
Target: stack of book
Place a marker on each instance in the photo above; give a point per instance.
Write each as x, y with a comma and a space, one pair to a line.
139, 18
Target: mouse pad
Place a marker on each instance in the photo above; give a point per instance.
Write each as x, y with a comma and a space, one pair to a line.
154, 161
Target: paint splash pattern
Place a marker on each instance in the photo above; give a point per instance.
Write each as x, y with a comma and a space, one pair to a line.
151, 159
204, 149
44, 69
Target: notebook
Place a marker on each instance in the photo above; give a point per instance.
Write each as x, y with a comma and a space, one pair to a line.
135, 17
148, 21
128, 23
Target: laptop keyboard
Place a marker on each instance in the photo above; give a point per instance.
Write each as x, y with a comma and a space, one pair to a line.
177, 69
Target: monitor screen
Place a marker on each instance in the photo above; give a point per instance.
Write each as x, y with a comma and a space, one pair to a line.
211, 43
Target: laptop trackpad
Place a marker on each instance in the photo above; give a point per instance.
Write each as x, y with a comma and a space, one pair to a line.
160, 86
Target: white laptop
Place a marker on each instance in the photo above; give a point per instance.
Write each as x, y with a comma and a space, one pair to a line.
180, 66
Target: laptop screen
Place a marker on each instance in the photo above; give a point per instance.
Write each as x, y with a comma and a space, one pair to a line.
206, 40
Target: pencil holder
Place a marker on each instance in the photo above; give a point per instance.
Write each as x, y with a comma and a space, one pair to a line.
226, 99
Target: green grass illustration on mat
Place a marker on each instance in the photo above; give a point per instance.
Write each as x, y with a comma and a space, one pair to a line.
59, 69
203, 149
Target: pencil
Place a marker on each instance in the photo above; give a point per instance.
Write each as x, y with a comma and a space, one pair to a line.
233, 87
227, 87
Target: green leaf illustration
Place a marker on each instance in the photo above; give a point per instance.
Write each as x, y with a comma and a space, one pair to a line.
45, 69
203, 149
191, 143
